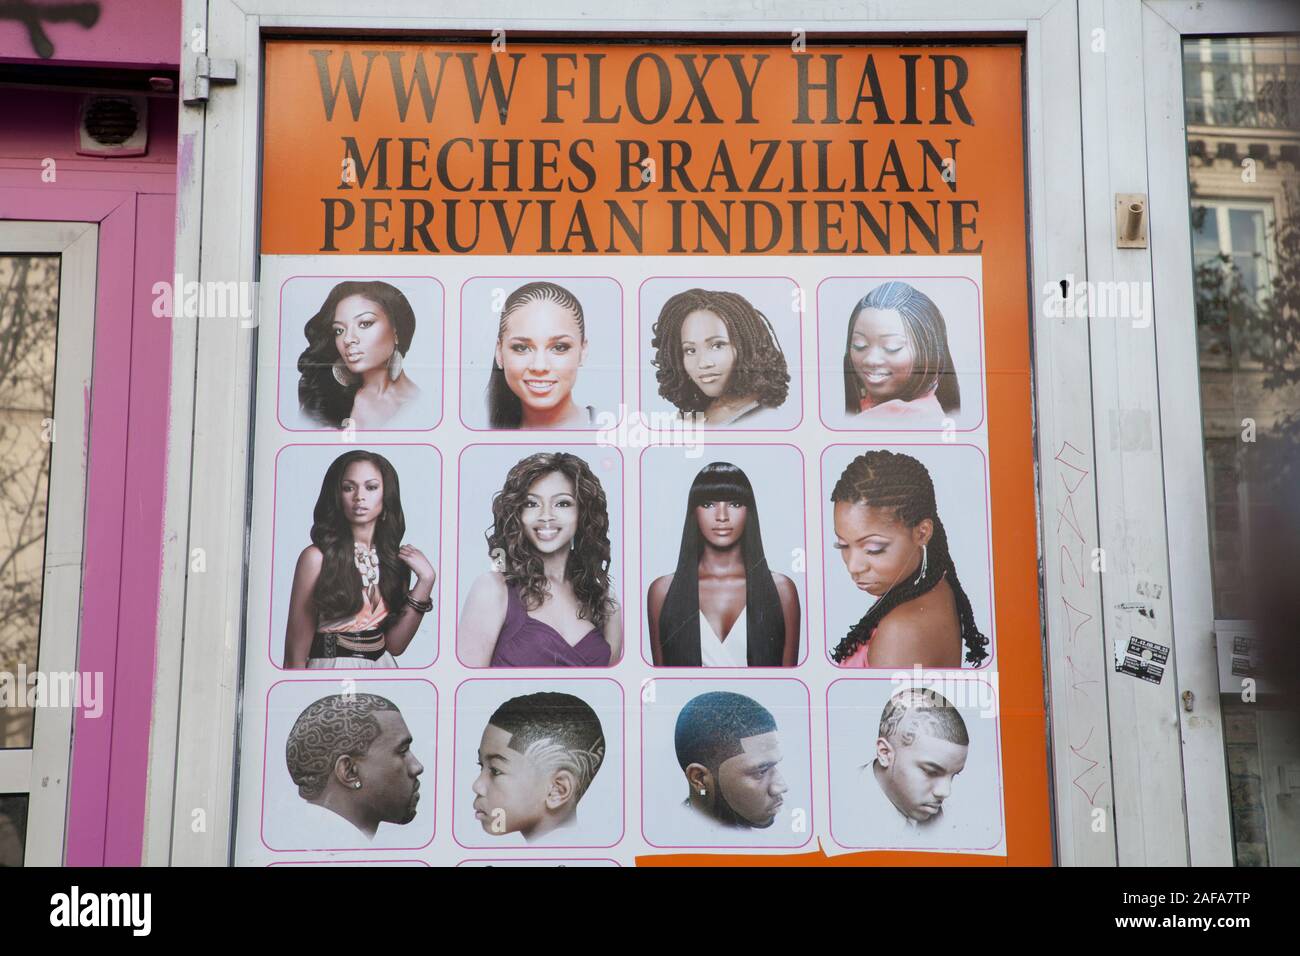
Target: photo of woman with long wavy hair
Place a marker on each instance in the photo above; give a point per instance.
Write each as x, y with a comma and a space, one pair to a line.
547, 603
352, 604
718, 358
895, 548
541, 344
896, 357
352, 368
723, 606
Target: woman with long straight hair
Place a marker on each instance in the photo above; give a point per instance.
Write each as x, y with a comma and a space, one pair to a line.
352, 603
541, 344
723, 606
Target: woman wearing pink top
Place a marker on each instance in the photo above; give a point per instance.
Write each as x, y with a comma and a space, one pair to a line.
895, 548
897, 365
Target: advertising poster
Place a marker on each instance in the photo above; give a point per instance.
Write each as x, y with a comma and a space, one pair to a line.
644, 459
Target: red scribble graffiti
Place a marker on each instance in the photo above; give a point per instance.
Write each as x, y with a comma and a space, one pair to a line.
1092, 765
1075, 618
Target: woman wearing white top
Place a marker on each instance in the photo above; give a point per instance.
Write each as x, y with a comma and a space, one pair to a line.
723, 606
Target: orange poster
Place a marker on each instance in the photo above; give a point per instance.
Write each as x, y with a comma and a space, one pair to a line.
596, 307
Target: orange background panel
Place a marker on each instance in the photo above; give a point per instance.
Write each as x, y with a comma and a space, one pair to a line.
303, 161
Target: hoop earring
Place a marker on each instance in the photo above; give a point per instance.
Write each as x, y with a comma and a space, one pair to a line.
925, 563
341, 374
395, 365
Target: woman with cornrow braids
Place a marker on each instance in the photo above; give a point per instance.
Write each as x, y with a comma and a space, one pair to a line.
894, 546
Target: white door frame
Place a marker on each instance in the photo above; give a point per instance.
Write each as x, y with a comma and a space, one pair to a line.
189, 819
1165, 24
41, 771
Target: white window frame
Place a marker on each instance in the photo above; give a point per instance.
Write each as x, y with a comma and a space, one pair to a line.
1165, 24
1222, 207
41, 771
1116, 763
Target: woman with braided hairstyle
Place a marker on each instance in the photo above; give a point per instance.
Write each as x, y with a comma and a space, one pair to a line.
895, 548
541, 344
718, 358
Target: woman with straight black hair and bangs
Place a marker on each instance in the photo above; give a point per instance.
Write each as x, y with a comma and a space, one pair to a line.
723, 606
352, 604
896, 357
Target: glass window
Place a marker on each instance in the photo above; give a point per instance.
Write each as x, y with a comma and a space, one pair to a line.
29, 308
13, 828
1241, 81
1240, 95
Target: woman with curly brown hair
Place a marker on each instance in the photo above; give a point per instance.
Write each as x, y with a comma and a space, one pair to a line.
547, 602
718, 357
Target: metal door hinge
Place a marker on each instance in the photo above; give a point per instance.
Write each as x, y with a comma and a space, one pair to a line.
206, 72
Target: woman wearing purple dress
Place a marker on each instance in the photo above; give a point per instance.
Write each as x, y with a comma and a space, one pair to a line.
548, 602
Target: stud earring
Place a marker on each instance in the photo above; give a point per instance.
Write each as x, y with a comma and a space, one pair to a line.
356, 785
703, 792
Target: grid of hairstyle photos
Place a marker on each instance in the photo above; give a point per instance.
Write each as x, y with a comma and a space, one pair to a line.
693, 564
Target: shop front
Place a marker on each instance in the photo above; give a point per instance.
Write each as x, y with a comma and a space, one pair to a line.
493, 338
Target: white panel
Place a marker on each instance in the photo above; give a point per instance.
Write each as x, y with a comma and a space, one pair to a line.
1076, 658
1150, 823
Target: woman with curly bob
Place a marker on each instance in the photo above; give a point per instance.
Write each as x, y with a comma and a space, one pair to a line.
718, 357
547, 602
352, 603
895, 548
351, 369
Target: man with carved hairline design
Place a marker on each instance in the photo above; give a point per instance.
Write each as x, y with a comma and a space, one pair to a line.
351, 754
920, 748
538, 756
728, 749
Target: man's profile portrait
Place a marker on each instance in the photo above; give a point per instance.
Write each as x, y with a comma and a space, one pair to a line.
537, 758
728, 749
351, 754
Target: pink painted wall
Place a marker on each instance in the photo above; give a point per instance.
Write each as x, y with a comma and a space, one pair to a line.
126, 33
133, 201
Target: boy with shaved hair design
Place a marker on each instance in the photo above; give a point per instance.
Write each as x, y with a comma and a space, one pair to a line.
920, 748
351, 754
538, 755
727, 747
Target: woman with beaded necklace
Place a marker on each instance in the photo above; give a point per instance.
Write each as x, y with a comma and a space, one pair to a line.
352, 605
